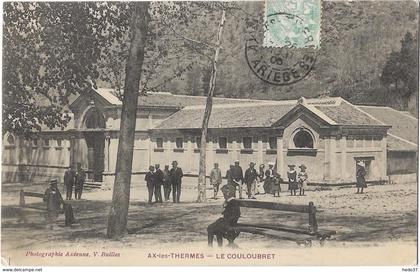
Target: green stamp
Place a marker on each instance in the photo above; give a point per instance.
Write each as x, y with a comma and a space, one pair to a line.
292, 23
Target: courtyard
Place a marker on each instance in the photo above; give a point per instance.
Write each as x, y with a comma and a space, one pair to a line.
386, 215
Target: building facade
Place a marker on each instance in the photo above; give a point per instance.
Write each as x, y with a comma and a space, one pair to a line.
328, 135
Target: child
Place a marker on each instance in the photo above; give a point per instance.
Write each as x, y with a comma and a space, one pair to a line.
303, 179
276, 185
291, 175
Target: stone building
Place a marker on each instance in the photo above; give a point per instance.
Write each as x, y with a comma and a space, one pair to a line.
328, 135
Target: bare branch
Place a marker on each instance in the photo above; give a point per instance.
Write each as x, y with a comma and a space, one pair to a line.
210, 46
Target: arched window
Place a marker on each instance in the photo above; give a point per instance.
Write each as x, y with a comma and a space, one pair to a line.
303, 139
11, 139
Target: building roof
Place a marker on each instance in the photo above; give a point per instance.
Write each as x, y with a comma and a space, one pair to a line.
246, 113
399, 144
403, 124
227, 116
168, 100
334, 111
347, 114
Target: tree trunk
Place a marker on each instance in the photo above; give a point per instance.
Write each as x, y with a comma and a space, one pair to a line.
117, 218
206, 118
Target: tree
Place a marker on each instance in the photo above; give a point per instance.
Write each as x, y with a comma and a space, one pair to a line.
117, 220
207, 113
51, 51
400, 71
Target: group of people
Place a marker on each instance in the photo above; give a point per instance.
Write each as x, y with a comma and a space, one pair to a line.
261, 182
170, 180
297, 180
74, 178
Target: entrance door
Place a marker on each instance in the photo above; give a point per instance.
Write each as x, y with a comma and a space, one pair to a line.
95, 141
367, 165
96, 146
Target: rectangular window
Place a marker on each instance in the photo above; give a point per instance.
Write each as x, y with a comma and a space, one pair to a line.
272, 142
59, 143
222, 142
198, 142
46, 142
179, 143
35, 141
247, 142
159, 142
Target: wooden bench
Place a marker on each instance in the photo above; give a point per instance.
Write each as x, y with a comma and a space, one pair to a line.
69, 217
298, 235
22, 202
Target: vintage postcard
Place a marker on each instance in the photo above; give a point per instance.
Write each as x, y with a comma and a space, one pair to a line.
275, 133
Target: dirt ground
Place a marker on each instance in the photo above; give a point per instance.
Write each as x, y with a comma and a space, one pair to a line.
384, 214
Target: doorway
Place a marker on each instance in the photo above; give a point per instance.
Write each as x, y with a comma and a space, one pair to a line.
95, 140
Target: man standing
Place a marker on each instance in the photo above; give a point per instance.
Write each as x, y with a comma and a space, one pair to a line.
149, 178
166, 183
68, 182
238, 177
216, 178
80, 180
54, 200
231, 184
250, 180
158, 183
176, 179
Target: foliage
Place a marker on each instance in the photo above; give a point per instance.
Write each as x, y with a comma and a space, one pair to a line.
398, 73
51, 51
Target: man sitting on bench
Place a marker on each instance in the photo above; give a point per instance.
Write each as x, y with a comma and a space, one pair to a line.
223, 227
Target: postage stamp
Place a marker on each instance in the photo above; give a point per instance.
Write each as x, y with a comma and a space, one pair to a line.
292, 23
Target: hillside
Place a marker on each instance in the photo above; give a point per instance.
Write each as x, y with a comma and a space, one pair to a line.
356, 40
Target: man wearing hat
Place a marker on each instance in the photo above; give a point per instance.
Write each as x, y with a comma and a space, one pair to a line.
250, 180
54, 200
216, 178
224, 226
166, 183
158, 181
238, 176
291, 175
150, 182
176, 175
79, 181
302, 179
360, 177
69, 179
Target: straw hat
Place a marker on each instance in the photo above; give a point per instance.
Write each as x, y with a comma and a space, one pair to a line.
303, 167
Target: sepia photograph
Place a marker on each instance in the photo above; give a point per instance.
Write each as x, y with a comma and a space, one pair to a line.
202, 133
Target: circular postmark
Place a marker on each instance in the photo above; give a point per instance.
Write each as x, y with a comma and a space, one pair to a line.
281, 65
